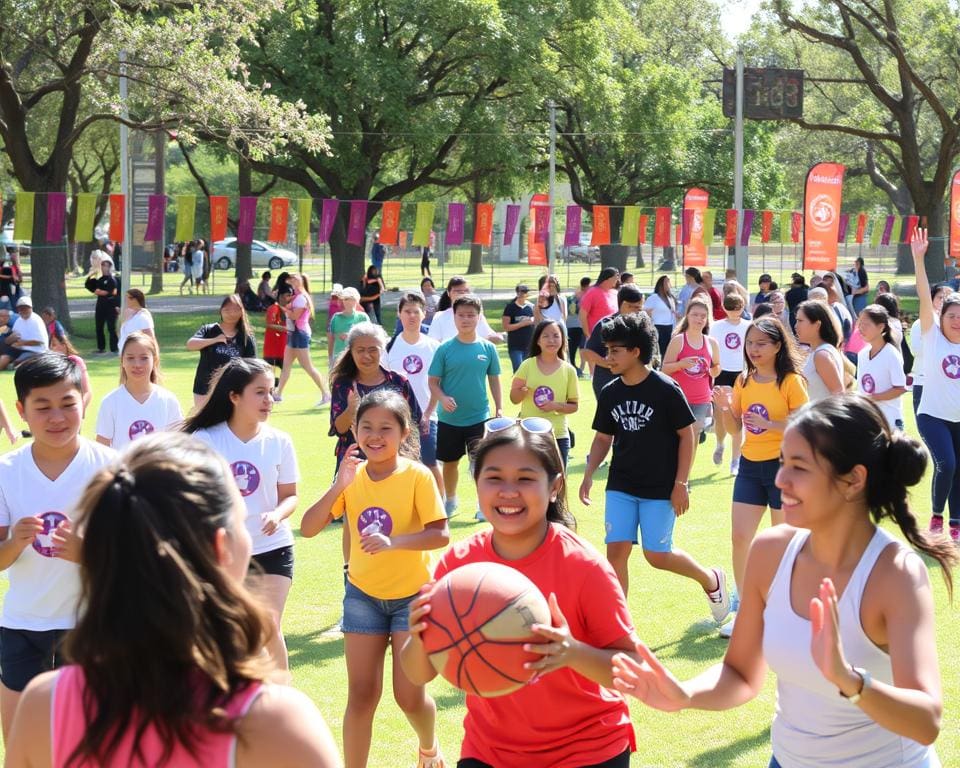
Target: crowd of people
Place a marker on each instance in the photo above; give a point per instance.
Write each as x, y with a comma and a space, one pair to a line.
149, 570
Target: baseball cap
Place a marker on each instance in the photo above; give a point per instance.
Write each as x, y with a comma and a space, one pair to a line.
765, 278
24, 301
521, 288
336, 290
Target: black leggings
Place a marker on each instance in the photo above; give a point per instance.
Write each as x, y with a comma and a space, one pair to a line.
575, 339
620, 761
664, 334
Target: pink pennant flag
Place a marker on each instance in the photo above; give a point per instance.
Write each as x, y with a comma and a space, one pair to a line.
842, 230
357, 226
455, 218
887, 231
156, 213
328, 215
510, 224
248, 217
56, 214
574, 221
748, 216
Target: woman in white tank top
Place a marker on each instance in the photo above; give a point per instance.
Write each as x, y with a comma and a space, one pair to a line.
840, 609
817, 327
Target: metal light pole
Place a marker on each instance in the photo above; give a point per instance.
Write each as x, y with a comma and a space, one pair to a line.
740, 260
126, 257
551, 256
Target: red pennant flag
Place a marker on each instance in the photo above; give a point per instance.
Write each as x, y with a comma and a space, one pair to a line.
661, 227
117, 210
483, 225
601, 225
730, 236
796, 226
279, 215
642, 229
766, 226
389, 222
219, 206
912, 222
861, 227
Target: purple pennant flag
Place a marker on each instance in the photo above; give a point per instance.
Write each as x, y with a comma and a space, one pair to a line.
357, 226
248, 217
842, 231
510, 224
887, 231
328, 215
56, 213
455, 218
541, 223
574, 220
748, 215
686, 225
156, 212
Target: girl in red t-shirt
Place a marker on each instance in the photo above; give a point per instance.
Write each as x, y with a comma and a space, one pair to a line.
580, 721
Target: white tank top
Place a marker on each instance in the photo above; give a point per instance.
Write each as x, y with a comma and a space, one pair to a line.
816, 389
815, 727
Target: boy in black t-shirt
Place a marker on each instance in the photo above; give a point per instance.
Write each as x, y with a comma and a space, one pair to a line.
645, 417
518, 322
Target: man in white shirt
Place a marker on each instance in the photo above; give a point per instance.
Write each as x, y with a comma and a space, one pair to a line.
443, 327
28, 335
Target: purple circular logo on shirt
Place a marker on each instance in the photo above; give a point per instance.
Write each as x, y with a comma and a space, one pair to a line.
247, 477
951, 366
43, 541
699, 368
761, 411
732, 341
867, 384
542, 396
138, 428
413, 364
375, 520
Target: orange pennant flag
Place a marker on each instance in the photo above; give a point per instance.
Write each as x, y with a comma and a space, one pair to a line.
218, 217
117, 211
483, 225
390, 222
642, 229
601, 225
730, 236
279, 215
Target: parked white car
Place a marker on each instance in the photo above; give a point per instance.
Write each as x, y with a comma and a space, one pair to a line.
261, 255
581, 252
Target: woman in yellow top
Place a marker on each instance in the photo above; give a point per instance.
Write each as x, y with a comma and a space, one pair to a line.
760, 402
545, 384
395, 516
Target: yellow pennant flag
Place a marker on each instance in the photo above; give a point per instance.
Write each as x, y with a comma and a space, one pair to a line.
786, 225
186, 217
86, 212
23, 216
421, 232
304, 211
630, 231
709, 222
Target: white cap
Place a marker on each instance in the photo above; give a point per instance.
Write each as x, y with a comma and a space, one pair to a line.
337, 290
25, 301
351, 293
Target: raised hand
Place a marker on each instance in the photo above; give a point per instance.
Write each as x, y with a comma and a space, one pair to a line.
649, 681
825, 645
349, 466
919, 244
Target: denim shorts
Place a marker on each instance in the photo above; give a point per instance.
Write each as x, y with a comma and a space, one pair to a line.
755, 483
428, 446
298, 339
655, 518
366, 615
703, 413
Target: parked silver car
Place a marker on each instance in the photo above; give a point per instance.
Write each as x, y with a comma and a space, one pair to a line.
261, 255
583, 251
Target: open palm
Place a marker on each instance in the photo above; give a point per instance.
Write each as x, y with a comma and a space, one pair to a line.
649, 681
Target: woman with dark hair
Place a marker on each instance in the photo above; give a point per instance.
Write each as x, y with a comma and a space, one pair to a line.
880, 373
574, 328
220, 342
430, 299
818, 327
136, 316
185, 258
840, 609
550, 304
858, 284
371, 288
661, 305
166, 656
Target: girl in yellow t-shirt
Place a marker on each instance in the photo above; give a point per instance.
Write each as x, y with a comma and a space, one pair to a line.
760, 402
545, 384
394, 515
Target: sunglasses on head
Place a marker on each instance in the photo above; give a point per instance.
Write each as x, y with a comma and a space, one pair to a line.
533, 424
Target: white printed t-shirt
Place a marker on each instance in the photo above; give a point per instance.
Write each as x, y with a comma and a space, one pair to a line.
879, 374
258, 467
44, 590
730, 339
413, 361
122, 419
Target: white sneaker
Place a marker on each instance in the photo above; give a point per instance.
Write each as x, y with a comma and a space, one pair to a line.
718, 455
719, 599
727, 629
735, 467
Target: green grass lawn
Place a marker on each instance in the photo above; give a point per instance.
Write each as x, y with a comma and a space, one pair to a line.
670, 613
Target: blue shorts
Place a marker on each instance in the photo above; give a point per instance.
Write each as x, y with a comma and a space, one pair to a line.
26, 653
366, 615
655, 518
428, 446
755, 483
298, 339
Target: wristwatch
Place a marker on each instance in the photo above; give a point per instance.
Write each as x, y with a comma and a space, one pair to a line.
865, 679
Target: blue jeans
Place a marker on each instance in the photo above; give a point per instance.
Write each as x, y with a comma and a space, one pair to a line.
917, 394
943, 439
773, 762
517, 356
563, 443
859, 303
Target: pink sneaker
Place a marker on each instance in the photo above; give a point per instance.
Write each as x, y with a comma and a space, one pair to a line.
936, 524
955, 533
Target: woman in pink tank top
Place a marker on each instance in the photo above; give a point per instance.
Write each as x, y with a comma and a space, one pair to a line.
167, 667
693, 360
840, 609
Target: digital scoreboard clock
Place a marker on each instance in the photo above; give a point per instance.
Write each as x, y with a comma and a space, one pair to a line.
768, 94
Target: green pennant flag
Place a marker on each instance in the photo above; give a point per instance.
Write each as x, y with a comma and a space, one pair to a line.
876, 234
186, 217
630, 231
23, 217
86, 212
897, 230
709, 222
786, 222
421, 231
304, 211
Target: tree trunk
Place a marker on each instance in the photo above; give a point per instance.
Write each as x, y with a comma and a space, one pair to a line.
244, 266
639, 263
934, 213
614, 256
346, 259
48, 265
476, 260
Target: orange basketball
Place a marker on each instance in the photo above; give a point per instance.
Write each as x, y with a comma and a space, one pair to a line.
480, 617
